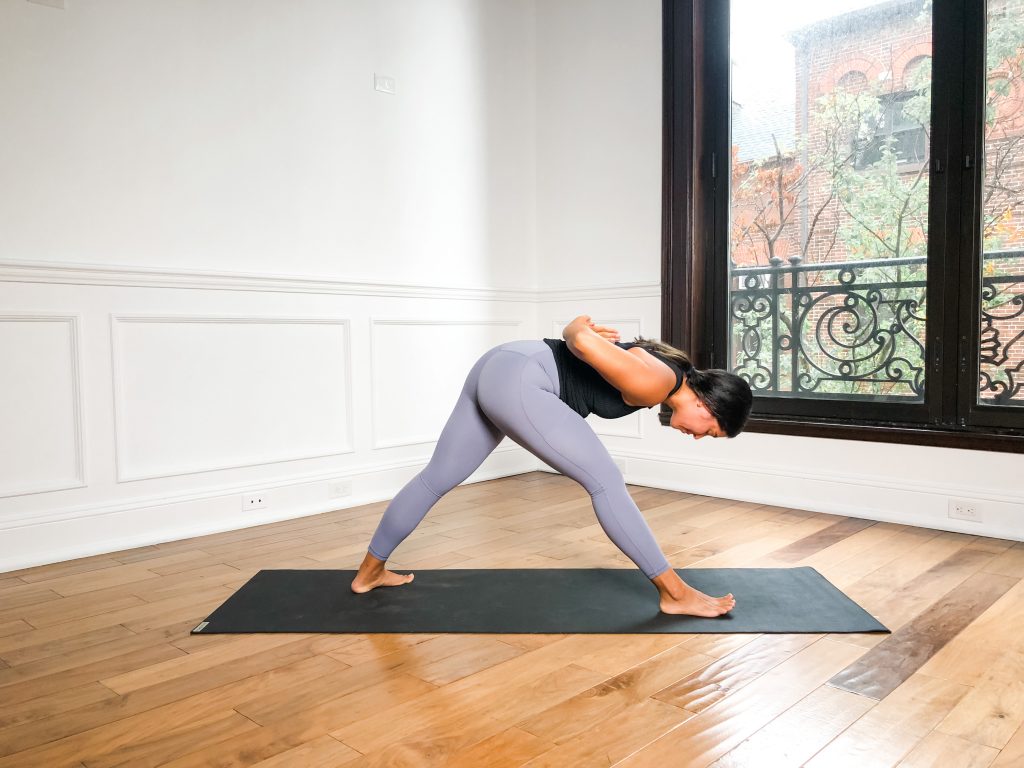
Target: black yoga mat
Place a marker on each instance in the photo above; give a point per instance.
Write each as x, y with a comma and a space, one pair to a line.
535, 600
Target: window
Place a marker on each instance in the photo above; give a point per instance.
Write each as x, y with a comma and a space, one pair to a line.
893, 131
859, 261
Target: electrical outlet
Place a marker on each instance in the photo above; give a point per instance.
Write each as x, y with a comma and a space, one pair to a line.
339, 488
965, 509
253, 501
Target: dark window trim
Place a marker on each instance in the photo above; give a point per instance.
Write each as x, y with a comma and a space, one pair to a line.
692, 148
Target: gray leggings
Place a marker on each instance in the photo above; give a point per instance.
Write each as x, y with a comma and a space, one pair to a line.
512, 389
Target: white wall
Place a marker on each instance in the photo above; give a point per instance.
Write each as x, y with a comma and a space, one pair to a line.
246, 136
227, 263
222, 253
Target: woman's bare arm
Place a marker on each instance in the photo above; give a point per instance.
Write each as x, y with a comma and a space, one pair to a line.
640, 377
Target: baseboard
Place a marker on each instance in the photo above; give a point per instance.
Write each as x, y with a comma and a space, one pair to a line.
871, 497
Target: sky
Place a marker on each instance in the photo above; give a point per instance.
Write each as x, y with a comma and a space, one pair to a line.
762, 58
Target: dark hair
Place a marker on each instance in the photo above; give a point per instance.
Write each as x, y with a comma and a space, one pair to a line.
726, 395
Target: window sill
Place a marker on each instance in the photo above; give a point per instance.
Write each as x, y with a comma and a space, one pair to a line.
966, 439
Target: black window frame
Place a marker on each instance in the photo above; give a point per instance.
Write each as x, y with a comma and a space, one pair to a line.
696, 135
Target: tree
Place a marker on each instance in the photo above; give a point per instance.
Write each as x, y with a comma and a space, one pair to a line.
871, 211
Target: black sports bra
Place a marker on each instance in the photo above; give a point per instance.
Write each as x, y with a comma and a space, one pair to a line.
584, 390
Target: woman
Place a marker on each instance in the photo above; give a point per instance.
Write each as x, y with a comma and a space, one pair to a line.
539, 393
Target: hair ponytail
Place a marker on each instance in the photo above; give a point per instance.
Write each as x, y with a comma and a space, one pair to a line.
667, 350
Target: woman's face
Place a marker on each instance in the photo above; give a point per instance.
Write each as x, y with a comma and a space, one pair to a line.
690, 416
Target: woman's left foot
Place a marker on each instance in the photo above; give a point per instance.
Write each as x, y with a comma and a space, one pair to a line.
386, 578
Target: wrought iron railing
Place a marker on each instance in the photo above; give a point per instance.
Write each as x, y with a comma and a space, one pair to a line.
857, 328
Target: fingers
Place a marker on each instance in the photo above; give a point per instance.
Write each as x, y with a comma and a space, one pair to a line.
604, 330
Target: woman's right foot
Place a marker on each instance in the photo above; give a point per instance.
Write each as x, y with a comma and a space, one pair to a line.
692, 602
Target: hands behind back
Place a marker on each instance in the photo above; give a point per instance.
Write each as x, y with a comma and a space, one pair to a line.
583, 322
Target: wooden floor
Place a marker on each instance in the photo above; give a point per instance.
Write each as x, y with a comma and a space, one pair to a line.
98, 669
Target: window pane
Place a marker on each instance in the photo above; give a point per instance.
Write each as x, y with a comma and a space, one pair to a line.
829, 197
1002, 265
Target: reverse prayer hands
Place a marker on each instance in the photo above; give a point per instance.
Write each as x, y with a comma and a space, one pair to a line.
583, 324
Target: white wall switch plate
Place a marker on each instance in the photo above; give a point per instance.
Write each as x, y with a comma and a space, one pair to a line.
383, 83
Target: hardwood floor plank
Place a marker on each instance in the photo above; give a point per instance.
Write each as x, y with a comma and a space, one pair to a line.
712, 683
1010, 562
893, 727
29, 647
613, 697
610, 741
470, 655
56, 703
511, 748
355, 702
14, 627
899, 602
1012, 755
324, 752
941, 749
153, 747
720, 646
901, 654
705, 737
991, 647
797, 734
81, 565
230, 648
97, 731
436, 739
722, 543
45, 672
989, 714
823, 539
116, 575
861, 564
616, 658
458, 701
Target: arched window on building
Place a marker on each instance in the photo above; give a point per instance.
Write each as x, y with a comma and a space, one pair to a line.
897, 127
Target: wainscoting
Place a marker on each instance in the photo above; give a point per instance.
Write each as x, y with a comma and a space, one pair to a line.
145, 405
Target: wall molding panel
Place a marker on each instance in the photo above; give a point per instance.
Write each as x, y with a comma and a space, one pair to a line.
69, 273
139, 277
77, 479
432, 361
126, 472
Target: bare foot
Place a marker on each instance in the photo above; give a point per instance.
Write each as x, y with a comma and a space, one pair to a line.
373, 574
364, 583
678, 597
692, 602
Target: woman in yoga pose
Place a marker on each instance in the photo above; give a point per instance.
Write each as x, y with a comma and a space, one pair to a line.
538, 392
